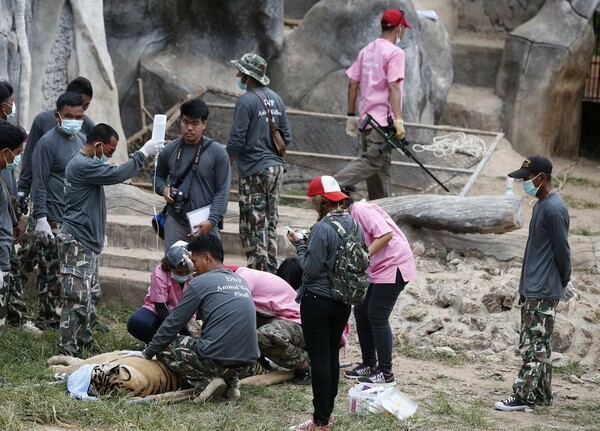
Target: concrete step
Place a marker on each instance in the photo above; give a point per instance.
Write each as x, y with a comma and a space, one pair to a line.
472, 108
476, 58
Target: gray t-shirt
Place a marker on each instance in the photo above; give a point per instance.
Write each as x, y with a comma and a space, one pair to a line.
318, 258
250, 140
6, 229
547, 261
207, 183
222, 300
50, 159
41, 125
8, 176
85, 203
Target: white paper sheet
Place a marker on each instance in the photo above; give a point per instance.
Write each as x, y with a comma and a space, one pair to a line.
198, 216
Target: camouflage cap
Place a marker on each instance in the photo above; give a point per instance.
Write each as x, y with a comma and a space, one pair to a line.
253, 65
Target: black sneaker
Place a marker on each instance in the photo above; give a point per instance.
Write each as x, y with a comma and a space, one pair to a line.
302, 376
511, 404
361, 370
378, 377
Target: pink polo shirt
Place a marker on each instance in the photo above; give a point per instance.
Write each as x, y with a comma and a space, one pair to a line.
272, 295
377, 64
163, 289
397, 254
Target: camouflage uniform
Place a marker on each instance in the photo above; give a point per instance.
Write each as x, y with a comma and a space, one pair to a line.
43, 253
533, 384
180, 356
259, 199
282, 341
79, 294
12, 306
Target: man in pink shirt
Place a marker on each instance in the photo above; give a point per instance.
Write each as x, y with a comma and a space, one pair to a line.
379, 73
280, 336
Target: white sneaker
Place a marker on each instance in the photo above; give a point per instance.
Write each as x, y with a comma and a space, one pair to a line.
29, 327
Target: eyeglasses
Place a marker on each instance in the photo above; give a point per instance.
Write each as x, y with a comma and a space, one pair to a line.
108, 151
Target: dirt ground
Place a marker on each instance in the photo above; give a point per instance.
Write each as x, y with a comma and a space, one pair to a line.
445, 390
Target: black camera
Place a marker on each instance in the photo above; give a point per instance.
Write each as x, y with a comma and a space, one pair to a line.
179, 199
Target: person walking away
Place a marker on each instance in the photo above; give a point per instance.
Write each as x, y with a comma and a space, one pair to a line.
260, 166
378, 73
545, 279
83, 233
391, 267
323, 318
193, 172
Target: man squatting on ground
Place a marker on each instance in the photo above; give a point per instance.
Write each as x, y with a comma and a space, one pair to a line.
50, 158
83, 233
11, 146
260, 167
228, 345
280, 336
32, 251
545, 279
379, 73
193, 171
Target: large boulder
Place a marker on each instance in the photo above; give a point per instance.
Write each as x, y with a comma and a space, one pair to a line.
543, 69
496, 16
177, 46
309, 71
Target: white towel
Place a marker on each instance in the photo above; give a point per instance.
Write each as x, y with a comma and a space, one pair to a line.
79, 382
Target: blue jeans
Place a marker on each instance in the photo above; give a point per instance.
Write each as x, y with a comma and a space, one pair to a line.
143, 324
323, 322
373, 324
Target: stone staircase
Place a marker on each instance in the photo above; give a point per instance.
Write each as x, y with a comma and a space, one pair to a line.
472, 102
134, 250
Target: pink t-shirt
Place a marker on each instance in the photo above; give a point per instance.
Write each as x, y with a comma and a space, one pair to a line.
377, 64
163, 289
397, 254
272, 295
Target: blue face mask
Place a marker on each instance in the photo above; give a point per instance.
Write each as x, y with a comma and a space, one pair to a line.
242, 85
530, 188
181, 278
15, 163
101, 160
13, 112
70, 127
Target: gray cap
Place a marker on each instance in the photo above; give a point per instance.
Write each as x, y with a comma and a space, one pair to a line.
179, 257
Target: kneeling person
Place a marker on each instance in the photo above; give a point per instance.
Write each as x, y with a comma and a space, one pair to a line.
228, 344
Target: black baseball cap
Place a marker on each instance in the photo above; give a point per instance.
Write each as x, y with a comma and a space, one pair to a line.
532, 165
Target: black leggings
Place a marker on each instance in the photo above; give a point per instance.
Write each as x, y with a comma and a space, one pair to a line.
373, 325
323, 322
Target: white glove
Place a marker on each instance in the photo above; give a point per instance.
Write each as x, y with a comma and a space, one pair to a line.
352, 126
152, 148
569, 291
42, 228
131, 354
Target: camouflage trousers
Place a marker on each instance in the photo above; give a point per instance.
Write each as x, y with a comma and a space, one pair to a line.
80, 293
259, 200
282, 341
12, 305
533, 384
180, 357
43, 253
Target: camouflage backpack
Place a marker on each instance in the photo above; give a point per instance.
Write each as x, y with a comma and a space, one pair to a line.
349, 278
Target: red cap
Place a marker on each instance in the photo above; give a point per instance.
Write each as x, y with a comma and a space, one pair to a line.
327, 187
393, 18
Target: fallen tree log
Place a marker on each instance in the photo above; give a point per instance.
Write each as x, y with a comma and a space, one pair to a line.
457, 214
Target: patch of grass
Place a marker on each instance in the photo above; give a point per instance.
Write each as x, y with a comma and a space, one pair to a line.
471, 415
584, 231
577, 203
405, 348
571, 368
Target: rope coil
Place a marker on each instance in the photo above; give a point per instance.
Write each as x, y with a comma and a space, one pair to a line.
457, 142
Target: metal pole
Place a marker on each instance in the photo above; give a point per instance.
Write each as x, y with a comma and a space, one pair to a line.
142, 104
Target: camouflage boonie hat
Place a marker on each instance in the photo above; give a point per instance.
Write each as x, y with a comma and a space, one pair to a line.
253, 65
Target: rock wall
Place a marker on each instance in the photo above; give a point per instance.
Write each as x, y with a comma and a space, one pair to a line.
495, 16
309, 71
541, 78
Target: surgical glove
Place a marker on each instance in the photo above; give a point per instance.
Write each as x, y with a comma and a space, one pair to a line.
42, 228
132, 354
569, 291
399, 125
352, 126
152, 148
